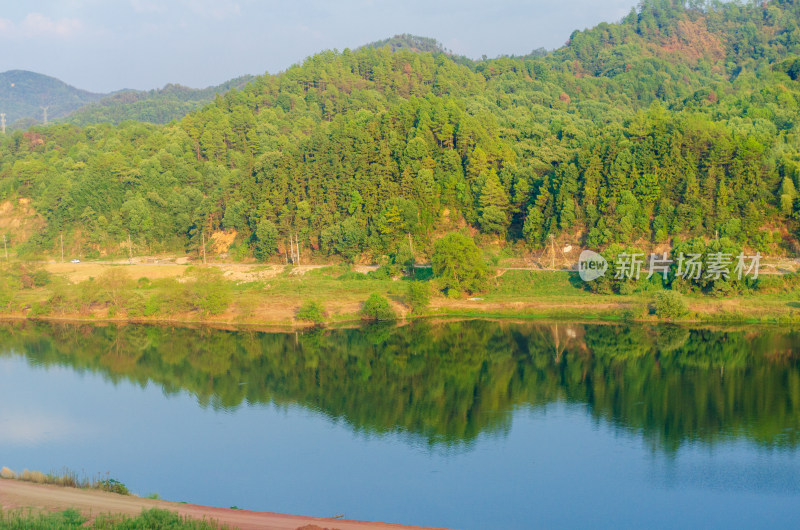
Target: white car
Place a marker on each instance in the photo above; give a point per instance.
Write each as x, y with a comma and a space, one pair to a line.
76, 260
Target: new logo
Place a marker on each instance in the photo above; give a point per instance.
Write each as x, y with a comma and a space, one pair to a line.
591, 265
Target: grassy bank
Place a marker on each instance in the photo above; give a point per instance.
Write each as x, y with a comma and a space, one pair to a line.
272, 295
66, 478
68, 519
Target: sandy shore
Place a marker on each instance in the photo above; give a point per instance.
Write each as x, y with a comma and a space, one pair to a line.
17, 494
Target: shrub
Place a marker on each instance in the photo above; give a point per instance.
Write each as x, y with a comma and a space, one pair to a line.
777, 283
670, 304
172, 297
210, 293
311, 311
113, 486
7, 297
135, 305
40, 277
384, 272
61, 301
39, 309
419, 296
114, 284
352, 275
377, 308
621, 277
726, 284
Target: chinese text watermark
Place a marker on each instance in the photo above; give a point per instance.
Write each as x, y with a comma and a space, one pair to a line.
712, 266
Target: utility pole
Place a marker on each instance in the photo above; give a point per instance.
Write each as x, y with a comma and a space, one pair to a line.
297, 246
44, 111
552, 252
62, 247
3, 122
291, 247
130, 250
413, 259
204, 248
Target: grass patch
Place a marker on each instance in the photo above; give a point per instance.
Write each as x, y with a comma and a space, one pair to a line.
69, 519
547, 284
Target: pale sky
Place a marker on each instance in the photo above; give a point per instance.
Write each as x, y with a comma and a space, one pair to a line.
105, 45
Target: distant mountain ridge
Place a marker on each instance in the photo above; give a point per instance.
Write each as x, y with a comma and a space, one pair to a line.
155, 106
24, 96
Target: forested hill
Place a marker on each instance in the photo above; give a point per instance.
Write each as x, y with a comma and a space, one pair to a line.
679, 121
154, 106
413, 43
23, 94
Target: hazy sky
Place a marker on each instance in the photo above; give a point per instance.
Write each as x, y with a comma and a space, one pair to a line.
105, 45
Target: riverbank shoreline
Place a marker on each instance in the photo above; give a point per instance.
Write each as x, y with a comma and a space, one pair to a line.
536, 310
269, 300
19, 495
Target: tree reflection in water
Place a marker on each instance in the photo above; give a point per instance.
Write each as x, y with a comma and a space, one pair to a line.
446, 383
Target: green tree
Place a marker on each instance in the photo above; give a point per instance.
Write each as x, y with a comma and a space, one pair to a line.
265, 240
418, 296
458, 264
494, 206
788, 194
346, 238
670, 304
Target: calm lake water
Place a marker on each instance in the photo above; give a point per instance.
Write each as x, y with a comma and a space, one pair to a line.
460, 424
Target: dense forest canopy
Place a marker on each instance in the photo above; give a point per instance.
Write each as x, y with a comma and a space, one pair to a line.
679, 121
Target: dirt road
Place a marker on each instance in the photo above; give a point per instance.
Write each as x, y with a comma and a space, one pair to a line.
17, 494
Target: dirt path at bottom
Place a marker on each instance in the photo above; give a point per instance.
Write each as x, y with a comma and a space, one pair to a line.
16, 494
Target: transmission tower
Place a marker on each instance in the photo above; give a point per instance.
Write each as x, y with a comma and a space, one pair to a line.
3, 122
44, 111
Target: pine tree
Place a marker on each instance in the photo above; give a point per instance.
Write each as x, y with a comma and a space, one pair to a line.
494, 205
